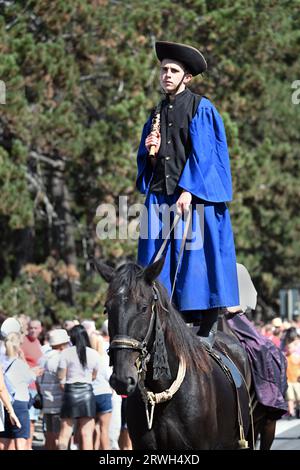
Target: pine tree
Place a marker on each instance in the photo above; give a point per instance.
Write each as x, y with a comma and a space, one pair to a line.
81, 78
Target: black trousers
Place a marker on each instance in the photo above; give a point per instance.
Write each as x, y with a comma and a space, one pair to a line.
204, 318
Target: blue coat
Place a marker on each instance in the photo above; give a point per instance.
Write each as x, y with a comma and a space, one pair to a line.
207, 276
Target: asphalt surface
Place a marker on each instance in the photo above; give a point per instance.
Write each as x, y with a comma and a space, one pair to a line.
287, 435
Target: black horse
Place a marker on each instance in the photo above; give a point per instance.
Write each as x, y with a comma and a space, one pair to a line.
152, 352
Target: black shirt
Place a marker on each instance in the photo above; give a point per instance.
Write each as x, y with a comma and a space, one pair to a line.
176, 115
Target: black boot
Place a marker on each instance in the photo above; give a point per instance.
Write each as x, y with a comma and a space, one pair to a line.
210, 339
208, 327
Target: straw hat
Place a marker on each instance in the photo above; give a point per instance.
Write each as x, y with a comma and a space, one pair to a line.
58, 336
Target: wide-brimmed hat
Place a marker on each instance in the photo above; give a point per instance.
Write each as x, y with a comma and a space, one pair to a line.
187, 55
59, 336
10, 325
247, 291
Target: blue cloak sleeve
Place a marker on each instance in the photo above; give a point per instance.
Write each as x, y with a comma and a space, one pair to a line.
206, 173
144, 168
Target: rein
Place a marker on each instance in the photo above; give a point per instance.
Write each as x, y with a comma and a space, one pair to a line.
184, 237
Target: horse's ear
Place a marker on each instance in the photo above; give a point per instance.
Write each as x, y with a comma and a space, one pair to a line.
153, 270
107, 272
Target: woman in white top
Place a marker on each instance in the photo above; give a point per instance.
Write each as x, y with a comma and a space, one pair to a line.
103, 397
78, 367
5, 400
50, 388
19, 375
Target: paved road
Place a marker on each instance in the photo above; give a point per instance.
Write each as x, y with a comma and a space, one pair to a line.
287, 435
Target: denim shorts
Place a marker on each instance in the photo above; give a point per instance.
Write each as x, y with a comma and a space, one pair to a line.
103, 403
11, 431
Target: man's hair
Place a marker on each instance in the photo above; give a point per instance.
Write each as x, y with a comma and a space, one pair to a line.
186, 70
32, 320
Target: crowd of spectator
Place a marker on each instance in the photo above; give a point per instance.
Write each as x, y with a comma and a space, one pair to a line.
61, 377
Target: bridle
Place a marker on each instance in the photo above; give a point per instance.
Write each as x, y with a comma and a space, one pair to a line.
127, 342
120, 342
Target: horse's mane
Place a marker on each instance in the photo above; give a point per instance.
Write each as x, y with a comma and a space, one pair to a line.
182, 340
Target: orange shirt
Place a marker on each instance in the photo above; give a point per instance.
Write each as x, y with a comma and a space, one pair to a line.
293, 367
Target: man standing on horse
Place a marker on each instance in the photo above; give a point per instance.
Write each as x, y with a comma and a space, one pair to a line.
183, 162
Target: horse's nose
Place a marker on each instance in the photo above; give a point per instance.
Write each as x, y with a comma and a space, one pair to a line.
113, 381
122, 387
131, 384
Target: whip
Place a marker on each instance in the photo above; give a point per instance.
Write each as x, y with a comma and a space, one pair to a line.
155, 126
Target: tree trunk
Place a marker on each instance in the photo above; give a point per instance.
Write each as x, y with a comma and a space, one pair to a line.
63, 231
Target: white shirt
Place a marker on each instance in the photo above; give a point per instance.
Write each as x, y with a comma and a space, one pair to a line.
1, 417
69, 360
101, 382
46, 348
20, 376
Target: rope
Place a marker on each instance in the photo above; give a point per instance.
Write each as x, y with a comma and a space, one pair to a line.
161, 250
153, 399
182, 245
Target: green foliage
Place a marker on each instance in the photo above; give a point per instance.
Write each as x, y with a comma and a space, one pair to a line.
81, 78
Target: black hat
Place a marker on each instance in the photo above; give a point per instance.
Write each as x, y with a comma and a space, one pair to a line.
187, 55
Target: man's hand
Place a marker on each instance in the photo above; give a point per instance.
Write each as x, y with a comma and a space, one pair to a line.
184, 201
38, 371
153, 139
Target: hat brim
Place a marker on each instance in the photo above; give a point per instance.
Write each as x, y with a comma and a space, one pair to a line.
189, 56
59, 343
10, 325
247, 291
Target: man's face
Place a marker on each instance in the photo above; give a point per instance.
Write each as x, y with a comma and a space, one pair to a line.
172, 74
34, 329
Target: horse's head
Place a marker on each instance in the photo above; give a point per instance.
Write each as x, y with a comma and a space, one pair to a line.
132, 321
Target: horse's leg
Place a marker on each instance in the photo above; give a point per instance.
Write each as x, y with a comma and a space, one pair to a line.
267, 434
253, 434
